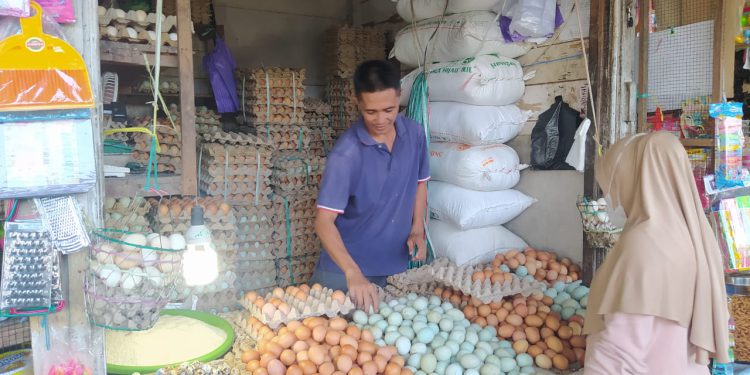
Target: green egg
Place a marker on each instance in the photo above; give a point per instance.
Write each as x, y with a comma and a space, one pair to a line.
425, 335
443, 353
489, 369
428, 363
469, 361
507, 364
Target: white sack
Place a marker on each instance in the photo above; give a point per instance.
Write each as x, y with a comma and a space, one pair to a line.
475, 125
424, 9
469, 209
481, 80
482, 168
472, 246
458, 36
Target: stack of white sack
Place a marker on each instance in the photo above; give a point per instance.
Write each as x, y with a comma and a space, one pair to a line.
473, 83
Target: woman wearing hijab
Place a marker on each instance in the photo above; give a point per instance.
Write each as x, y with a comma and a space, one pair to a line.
657, 304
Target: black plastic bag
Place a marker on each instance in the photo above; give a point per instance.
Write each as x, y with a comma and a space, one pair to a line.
553, 135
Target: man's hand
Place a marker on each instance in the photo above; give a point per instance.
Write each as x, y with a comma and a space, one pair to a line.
362, 292
416, 238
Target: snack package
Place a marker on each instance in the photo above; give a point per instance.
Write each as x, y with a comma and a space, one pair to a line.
729, 144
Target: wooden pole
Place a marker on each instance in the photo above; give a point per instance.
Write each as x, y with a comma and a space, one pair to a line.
642, 94
187, 99
718, 89
73, 331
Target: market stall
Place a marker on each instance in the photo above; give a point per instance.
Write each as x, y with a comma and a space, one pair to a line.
204, 236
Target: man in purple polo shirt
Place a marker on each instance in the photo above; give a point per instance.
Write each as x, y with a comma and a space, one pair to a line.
373, 194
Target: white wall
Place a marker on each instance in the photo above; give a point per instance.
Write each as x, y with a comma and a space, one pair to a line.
285, 33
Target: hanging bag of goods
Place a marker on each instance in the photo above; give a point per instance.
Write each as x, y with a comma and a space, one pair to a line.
418, 10
457, 37
475, 124
469, 209
473, 246
481, 80
483, 168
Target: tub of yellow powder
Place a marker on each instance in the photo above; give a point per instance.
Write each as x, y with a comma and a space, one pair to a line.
179, 336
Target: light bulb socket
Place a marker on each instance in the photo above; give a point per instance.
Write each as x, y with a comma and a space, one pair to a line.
196, 216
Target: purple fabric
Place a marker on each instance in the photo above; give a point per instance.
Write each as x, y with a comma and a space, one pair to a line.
220, 66
374, 191
516, 37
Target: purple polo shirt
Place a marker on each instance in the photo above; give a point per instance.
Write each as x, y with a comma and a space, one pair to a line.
374, 191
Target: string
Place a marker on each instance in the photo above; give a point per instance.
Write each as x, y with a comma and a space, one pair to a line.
226, 171
257, 176
588, 80
288, 225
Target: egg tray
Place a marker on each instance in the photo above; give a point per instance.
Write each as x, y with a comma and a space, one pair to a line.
215, 210
200, 13
134, 17
303, 246
256, 282
218, 367
245, 324
240, 172
295, 270
124, 206
460, 278
317, 106
134, 220
234, 188
417, 276
349, 46
319, 303
231, 138
255, 251
244, 153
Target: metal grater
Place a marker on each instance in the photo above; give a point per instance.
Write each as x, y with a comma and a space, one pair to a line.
62, 219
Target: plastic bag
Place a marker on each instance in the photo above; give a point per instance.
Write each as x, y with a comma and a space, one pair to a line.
61, 10
729, 144
15, 8
220, 66
531, 18
46, 158
577, 155
553, 136
11, 26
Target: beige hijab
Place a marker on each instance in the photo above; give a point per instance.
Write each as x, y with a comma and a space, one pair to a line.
667, 262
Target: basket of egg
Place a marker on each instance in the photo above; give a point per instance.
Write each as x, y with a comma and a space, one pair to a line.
131, 277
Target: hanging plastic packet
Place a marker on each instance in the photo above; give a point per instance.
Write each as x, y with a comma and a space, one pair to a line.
15, 8
61, 10
729, 144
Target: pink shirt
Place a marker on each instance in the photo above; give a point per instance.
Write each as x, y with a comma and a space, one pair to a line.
640, 344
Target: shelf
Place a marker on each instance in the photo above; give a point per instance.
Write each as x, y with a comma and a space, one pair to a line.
698, 142
132, 185
128, 91
132, 54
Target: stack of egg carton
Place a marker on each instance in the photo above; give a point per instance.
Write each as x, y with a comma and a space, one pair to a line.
302, 138
258, 235
318, 119
298, 248
473, 88
296, 173
272, 96
349, 46
236, 166
200, 11
169, 156
111, 124
172, 215
207, 120
135, 26
344, 108
127, 214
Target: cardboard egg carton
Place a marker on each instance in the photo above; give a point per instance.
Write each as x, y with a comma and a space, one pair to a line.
248, 281
294, 171
344, 109
319, 302
257, 266
418, 276
256, 250
274, 95
200, 11
349, 46
307, 244
295, 270
245, 323
232, 138
460, 278
109, 16
216, 212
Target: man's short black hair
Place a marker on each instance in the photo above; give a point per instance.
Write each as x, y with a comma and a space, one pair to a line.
376, 75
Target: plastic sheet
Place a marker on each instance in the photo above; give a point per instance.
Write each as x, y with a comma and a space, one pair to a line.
729, 144
61, 10
531, 18
46, 158
15, 8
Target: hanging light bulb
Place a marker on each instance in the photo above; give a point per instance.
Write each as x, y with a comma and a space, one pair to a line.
200, 262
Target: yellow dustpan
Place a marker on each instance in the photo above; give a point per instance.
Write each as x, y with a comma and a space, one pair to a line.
41, 72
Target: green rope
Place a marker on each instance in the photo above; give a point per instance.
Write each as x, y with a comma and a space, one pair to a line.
419, 111
288, 238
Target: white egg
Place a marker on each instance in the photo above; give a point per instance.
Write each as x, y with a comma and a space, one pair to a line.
602, 202
168, 262
177, 241
602, 216
136, 239
150, 257
151, 236
173, 37
153, 276
161, 242
111, 275
132, 278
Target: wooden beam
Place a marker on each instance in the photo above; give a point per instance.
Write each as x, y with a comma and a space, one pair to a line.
71, 326
132, 54
187, 99
642, 94
718, 89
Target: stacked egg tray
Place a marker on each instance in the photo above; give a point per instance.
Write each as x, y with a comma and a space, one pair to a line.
110, 124
349, 46
128, 214
317, 112
166, 86
296, 270
274, 95
128, 282
135, 26
299, 212
257, 232
173, 216
241, 172
314, 140
344, 109
247, 324
295, 172
296, 303
207, 121
200, 11
169, 156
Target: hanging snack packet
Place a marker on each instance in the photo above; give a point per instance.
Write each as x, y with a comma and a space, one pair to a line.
729, 143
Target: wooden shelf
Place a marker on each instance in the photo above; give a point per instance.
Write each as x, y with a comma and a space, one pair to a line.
698, 142
122, 53
132, 185
128, 91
